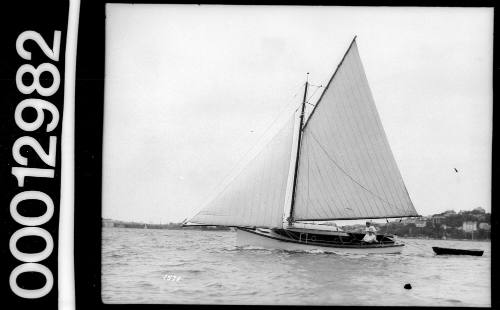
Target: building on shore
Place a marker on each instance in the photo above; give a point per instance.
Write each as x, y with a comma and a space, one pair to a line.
469, 226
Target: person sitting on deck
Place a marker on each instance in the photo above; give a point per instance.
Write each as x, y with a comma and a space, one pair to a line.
371, 233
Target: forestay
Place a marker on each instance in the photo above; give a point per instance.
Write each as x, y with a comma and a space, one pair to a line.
256, 195
346, 167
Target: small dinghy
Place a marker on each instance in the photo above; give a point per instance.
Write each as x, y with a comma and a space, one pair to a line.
448, 251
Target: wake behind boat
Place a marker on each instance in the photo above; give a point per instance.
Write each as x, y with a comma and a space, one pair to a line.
336, 165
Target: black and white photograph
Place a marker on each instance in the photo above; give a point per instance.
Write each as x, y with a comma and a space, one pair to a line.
156, 155
297, 155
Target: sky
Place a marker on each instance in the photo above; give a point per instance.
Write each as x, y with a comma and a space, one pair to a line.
192, 93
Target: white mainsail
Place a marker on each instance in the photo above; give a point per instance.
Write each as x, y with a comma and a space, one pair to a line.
346, 167
256, 196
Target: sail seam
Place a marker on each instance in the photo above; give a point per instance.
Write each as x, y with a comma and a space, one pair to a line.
330, 184
320, 201
394, 189
339, 128
253, 203
356, 128
389, 164
350, 177
308, 171
356, 95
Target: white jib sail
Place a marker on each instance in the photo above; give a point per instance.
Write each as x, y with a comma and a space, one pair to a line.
346, 167
256, 196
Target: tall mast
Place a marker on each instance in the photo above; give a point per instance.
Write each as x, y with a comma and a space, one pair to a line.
290, 218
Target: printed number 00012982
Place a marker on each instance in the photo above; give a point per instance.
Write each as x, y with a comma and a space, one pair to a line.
40, 106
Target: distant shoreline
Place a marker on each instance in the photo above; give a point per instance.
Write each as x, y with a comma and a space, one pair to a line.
171, 226
220, 228
450, 239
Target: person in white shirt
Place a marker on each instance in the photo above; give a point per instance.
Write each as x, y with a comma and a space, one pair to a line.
371, 233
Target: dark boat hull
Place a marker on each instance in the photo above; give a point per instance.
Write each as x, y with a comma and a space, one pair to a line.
449, 251
273, 239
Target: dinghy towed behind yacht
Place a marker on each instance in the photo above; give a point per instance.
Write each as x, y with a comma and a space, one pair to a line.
335, 165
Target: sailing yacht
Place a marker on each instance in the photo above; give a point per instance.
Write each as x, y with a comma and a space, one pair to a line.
335, 165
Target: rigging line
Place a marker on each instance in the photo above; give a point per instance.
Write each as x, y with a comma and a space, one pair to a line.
308, 170
330, 183
339, 100
242, 169
338, 188
389, 173
343, 171
353, 94
317, 87
219, 187
322, 190
300, 85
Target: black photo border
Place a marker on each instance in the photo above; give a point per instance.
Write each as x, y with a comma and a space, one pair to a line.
89, 104
42, 19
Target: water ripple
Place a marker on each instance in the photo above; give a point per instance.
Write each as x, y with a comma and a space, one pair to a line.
207, 267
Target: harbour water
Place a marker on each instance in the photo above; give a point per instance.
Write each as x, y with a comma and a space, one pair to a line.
206, 267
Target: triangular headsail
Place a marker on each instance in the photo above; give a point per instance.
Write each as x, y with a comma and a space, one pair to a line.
346, 167
256, 196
